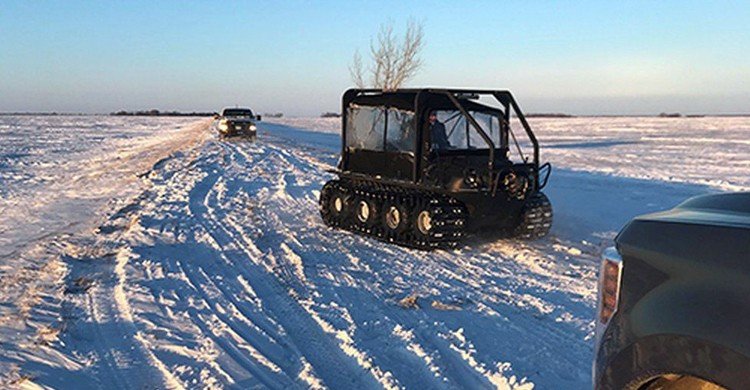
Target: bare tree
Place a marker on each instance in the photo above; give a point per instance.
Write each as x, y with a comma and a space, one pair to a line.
355, 69
393, 62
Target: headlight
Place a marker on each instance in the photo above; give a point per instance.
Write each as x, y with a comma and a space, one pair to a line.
610, 278
610, 275
471, 179
223, 124
516, 185
253, 127
609, 284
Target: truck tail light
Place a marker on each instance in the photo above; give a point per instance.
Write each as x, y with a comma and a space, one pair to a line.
609, 284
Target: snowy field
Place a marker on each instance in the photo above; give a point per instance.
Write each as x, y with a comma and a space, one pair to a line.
709, 150
58, 172
173, 259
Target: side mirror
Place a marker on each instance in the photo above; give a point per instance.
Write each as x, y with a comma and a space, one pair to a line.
257, 117
216, 116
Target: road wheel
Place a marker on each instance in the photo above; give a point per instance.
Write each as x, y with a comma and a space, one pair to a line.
365, 211
424, 222
395, 217
334, 204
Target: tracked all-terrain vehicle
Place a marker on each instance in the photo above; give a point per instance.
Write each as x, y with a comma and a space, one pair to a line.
423, 167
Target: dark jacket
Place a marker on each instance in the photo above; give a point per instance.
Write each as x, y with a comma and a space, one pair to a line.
439, 136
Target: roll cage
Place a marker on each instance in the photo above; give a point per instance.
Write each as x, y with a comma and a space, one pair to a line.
422, 101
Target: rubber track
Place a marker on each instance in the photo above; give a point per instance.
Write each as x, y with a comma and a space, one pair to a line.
536, 219
448, 214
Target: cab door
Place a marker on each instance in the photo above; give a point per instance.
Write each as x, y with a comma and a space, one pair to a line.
400, 144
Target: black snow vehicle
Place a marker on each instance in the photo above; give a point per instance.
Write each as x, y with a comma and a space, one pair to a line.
421, 167
238, 122
674, 299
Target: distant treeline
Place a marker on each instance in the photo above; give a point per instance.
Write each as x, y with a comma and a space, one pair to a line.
548, 115
337, 115
670, 115
678, 115
160, 113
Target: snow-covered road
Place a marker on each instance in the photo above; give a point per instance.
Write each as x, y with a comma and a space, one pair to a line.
221, 274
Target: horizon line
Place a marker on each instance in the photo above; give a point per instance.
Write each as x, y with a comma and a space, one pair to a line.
558, 115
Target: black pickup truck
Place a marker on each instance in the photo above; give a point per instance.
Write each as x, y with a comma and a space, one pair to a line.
674, 299
237, 122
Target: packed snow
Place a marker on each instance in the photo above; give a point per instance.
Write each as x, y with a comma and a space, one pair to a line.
148, 253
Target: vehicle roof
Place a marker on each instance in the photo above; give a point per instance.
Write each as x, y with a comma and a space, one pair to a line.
435, 98
236, 109
731, 209
432, 89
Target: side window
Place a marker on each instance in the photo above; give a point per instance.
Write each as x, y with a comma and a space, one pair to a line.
490, 124
365, 127
400, 136
455, 129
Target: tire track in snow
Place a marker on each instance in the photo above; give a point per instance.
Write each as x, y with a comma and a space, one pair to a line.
97, 311
243, 217
213, 295
315, 346
255, 291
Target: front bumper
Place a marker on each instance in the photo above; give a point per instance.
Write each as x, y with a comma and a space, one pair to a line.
239, 128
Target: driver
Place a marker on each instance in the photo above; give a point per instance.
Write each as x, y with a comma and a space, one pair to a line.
437, 131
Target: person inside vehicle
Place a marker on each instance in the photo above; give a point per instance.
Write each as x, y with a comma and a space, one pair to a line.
437, 131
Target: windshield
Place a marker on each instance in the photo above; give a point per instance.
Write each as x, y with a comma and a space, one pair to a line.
237, 112
451, 130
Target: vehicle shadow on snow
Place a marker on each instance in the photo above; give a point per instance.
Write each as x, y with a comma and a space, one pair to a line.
301, 137
590, 205
594, 206
590, 144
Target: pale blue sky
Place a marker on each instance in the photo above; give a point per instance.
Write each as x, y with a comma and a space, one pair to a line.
581, 57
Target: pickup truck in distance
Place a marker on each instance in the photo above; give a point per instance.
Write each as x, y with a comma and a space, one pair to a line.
238, 122
674, 299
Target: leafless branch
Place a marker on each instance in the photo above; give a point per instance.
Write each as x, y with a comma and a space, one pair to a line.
394, 62
356, 71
